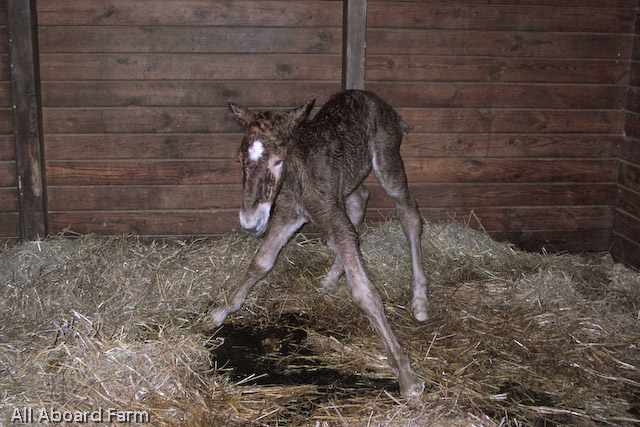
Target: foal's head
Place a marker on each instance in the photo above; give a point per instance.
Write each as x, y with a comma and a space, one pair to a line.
264, 160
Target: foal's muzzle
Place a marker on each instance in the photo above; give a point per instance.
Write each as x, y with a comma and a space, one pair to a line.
255, 221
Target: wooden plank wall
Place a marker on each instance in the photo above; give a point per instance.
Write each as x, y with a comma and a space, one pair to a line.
138, 138
627, 215
516, 109
9, 217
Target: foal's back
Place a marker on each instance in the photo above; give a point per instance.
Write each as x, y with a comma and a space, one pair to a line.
348, 133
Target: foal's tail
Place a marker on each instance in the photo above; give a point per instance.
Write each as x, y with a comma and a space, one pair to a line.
402, 125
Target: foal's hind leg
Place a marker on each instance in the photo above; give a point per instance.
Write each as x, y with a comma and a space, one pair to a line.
389, 169
343, 239
356, 205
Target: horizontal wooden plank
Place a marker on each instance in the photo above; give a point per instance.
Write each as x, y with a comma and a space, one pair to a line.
190, 66
513, 121
4, 40
7, 150
164, 172
630, 176
550, 121
493, 195
147, 197
183, 39
628, 201
268, 94
627, 226
184, 93
510, 145
487, 95
221, 221
498, 44
229, 196
9, 225
195, 12
579, 146
6, 125
184, 223
416, 144
143, 146
8, 174
8, 199
420, 68
499, 17
3, 12
510, 220
510, 170
138, 120
5, 94
214, 145
5, 73
552, 218
567, 3
143, 172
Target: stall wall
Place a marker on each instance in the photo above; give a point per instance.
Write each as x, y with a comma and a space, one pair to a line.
523, 113
138, 138
516, 109
9, 216
627, 216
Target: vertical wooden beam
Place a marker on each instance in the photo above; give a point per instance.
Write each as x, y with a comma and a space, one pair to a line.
26, 116
354, 43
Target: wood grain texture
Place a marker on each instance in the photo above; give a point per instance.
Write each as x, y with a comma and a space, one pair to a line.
194, 222
191, 12
565, 3
500, 17
177, 39
9, 200
517, 108
26, 109
385, 41
228, 196
9, 225
7, 150
190, 66
442, 68
185, 93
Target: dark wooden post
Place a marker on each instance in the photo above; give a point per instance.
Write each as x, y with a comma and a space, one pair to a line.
26, 117
354, 43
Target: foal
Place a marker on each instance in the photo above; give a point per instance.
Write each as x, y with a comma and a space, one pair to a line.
297, 170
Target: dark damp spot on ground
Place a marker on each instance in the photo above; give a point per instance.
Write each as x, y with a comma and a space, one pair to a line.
277, 354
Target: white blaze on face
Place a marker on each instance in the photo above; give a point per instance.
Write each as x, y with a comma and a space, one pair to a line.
256, 150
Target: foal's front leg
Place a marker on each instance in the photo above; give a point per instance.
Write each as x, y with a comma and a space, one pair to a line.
280, 231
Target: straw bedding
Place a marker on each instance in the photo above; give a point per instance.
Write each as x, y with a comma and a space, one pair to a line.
513, 338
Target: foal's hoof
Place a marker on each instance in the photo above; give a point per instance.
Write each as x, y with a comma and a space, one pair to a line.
420, 309
330, 284
414, 389
217, 316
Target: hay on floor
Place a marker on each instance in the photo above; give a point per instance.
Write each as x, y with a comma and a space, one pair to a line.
513, 338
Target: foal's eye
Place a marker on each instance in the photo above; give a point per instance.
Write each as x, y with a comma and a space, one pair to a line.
277, 163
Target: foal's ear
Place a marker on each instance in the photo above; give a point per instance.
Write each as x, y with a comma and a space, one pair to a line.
296, 116
242, 115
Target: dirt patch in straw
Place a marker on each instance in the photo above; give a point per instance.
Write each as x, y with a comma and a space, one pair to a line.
117, 324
